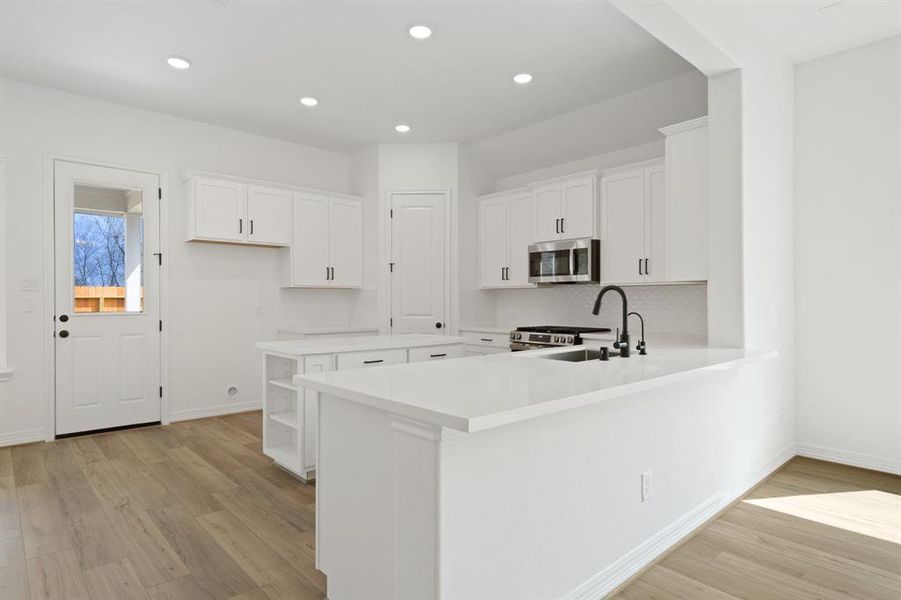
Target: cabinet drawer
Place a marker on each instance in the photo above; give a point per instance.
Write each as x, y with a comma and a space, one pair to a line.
376, 358
469, 350
481, 338
436, 352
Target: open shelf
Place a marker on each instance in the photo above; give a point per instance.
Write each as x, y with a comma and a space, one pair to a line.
284, 382
288, 418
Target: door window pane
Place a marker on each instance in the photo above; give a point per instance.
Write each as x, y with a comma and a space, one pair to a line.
108, 250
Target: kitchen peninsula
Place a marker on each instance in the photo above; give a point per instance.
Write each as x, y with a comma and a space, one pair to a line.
515, 475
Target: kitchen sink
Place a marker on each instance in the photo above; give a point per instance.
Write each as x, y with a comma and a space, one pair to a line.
580, 355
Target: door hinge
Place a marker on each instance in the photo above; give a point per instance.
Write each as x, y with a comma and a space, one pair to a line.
159, 193
391, 267
159, 257
391, 213
391, 322
161, 391
161, 324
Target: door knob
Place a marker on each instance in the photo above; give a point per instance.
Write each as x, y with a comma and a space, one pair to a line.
438, 325
63, 333
64, 318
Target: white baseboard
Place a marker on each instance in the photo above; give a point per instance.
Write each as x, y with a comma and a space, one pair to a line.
26, 436
854, 459
630, 564
214, 411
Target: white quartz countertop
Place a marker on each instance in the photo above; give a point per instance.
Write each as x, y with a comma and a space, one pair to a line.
357, 344
482, 392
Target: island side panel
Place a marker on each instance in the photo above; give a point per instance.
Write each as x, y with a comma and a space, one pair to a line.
377, 527
538, 508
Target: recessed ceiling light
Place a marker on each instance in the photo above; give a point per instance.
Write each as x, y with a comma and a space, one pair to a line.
401, 128
522, 78
309, 101
178, 62
420, 32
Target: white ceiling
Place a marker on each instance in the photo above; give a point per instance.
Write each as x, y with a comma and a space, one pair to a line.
803, 30
254, 59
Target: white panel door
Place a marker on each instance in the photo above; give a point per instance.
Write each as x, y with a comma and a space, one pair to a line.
107, 338
655, 267
521, 228
418, 249
579, 213
220, 210
548, 212
623, 244
493, 243
310, 241
346, 243
268, 216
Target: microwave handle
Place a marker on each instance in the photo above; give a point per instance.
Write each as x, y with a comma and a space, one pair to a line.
572, 261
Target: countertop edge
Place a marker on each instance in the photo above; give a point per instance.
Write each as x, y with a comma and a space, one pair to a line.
362, 344
483, 423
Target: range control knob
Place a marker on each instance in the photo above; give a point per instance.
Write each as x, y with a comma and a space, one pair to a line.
569, 339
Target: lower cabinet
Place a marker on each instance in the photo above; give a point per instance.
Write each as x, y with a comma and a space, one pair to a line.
291, 412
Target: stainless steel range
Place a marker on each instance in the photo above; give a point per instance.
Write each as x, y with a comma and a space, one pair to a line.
547, 336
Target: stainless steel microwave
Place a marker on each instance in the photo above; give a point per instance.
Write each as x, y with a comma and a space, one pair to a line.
566, 261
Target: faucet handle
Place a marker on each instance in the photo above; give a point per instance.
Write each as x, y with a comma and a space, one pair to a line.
616, 341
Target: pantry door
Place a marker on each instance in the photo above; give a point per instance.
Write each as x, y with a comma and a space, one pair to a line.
107, 297
419, 264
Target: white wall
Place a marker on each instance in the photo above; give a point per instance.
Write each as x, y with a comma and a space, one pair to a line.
214, 289
848, 255
476, 306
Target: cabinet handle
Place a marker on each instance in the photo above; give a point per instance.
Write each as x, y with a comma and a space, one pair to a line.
251, 227
437, 355
557, 221
562, 225
639, 267
328, 275
372, 362
647, 270
240, 225
333, 273
486, 339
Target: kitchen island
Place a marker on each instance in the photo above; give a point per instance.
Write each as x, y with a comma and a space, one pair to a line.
290, 411
515, 475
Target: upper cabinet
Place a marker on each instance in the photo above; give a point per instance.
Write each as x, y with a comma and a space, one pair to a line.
222, 210
632, 213
686, 200
506, 228
566, 208
327, 242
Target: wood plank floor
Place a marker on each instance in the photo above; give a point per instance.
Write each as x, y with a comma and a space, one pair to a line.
195, 511
811, 530
191, 511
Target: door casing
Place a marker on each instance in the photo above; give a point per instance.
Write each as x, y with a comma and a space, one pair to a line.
49, 238
451, 245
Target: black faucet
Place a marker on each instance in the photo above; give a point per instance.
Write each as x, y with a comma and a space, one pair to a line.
641, 346
622, 344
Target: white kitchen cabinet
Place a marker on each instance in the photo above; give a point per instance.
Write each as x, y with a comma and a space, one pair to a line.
505, 232
566, 208
478, 341
326, 242
291, 411
267, 216
223, 210
632, 213
686, 200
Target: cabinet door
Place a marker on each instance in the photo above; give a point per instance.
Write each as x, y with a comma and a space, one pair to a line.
219, 210
520, 233
579, 213
310, 241
548, 212
346, 243
322, 363
623, 243
492, 242
655, 267
268, 216
686, 205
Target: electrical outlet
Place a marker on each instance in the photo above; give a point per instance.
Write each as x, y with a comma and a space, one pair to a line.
647, 486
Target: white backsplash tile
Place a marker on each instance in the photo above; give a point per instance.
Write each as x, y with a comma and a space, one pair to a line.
665, 308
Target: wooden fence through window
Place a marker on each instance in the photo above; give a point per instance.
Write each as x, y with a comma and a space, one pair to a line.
91, 299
